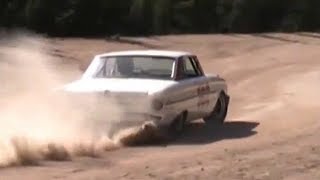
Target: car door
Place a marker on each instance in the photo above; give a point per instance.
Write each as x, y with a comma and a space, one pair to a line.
207, 91
196, 82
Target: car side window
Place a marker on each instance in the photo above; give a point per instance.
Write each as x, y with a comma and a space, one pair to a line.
190, 68
197, 66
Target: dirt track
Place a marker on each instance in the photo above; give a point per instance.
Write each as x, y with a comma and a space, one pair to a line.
273, 125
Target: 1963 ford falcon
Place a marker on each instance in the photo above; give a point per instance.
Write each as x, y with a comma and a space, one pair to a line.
164, 89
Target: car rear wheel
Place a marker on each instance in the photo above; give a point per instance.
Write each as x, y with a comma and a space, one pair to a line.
219, 113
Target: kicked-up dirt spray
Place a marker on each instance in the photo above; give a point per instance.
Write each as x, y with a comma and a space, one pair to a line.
36, 121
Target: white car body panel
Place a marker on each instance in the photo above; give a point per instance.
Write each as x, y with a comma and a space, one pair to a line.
121, 85
177, 96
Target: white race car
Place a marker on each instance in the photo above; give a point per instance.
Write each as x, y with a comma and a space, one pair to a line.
163, 89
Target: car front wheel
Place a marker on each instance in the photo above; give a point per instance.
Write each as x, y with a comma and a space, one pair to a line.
178, 125
219, 113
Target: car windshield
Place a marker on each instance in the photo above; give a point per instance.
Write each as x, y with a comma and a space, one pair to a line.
150, 67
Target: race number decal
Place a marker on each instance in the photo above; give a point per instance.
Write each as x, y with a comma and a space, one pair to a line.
202, 91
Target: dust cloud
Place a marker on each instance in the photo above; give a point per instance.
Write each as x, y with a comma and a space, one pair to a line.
37, 121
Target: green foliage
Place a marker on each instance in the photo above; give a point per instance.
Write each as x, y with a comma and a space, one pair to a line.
311, 15
12, 12
182, 16
161, 16
141, 17
137, 14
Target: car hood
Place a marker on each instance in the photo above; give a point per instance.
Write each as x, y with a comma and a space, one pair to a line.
117, 85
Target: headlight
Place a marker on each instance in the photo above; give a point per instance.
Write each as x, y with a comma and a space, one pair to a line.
157, 104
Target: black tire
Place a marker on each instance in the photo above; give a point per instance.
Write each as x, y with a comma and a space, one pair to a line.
219, 113
178, 125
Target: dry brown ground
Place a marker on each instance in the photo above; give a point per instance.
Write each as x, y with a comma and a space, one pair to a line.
272, 131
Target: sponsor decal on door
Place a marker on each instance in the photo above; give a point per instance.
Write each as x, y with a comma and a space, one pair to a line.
203, 99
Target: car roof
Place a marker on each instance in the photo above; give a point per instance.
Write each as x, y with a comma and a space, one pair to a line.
166, 53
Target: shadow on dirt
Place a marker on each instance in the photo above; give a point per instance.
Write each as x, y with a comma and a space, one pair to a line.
199, 133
